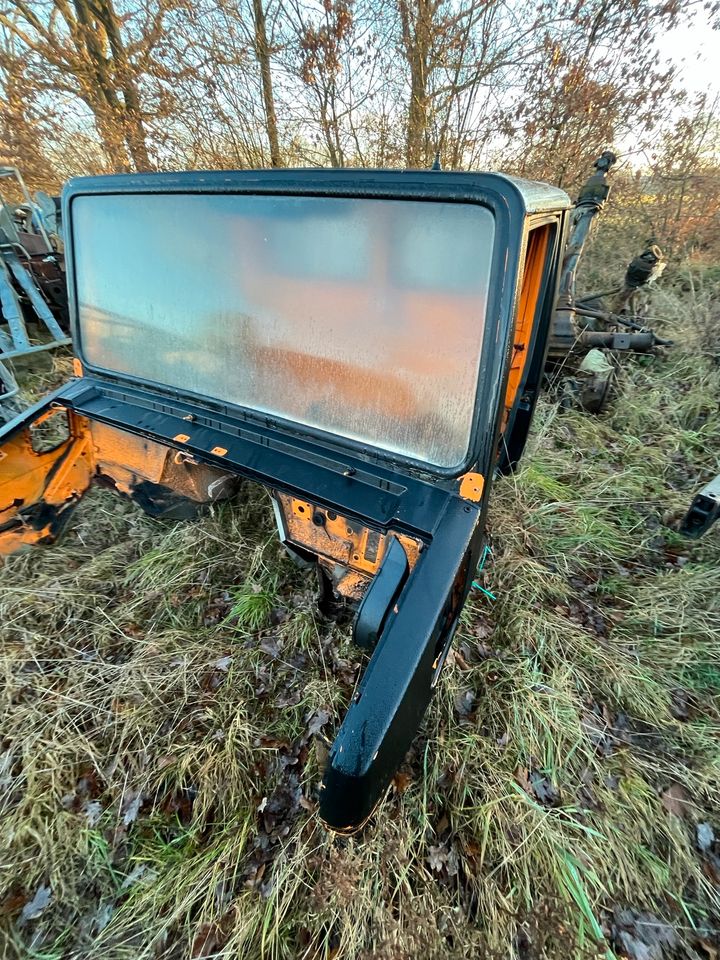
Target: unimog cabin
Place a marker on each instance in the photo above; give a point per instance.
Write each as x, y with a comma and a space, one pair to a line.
367, 345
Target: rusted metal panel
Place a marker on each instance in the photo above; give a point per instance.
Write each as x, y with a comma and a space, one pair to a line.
341, 542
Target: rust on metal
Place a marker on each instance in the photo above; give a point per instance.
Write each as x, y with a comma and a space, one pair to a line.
39, 488
349, 552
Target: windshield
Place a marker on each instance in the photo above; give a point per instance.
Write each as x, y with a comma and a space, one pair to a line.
359, 317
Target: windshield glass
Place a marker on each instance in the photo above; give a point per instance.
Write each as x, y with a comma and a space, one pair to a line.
359, 317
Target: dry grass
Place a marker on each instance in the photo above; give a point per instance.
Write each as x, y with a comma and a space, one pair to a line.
167, 691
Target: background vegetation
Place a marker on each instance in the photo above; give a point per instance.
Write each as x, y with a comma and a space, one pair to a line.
535, 89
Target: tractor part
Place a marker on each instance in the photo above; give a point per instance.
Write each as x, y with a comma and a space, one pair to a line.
8, 386
589, 388
366, 345
642, 270
575, 323
32, 282
590, 202
703, 512
583, 329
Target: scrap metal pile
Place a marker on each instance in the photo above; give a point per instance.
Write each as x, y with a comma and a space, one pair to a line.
32, 279
589, 330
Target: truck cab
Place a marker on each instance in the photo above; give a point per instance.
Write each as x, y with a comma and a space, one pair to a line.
367, 345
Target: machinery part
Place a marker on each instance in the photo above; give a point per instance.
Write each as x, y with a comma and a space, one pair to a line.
582, 325
395, 691
38, 220
644, 269
530, 342
377, 297
39, 304
639, 342
590, 202
377, 604
590, 388
9, 389
703, 512
31, 272
575, 321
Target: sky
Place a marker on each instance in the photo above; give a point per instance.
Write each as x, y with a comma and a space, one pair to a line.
695, 50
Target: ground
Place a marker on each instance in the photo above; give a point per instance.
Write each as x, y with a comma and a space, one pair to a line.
169, 691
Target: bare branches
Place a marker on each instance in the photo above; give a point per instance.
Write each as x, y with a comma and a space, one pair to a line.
165, 83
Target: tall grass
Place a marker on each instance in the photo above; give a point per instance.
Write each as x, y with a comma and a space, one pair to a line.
168, 692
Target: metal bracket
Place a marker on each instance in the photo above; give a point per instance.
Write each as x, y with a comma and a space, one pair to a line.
380, 596
703, 512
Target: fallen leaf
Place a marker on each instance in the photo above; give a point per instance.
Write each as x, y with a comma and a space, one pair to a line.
39, 903
676, 800
278, 615
205, 940
709, 950
322, 753
131, 807
437, 858
223, 664
11, 904
464, 702
317, 721
140, 872
282, 807
270, 646
521, 778
461, 660
272, 743
534, 783
401, 781
93, 812
103, 916
711, 868
544, 789
680, 703
642, 936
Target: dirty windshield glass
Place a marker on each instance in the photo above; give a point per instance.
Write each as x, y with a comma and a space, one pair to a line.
362, 318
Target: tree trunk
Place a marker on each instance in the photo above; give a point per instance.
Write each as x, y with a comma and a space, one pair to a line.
98, 88
417, 40
135, 136
262, 52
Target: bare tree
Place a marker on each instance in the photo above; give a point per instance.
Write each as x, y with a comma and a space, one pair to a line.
78, 47
168, 83
599, 79
262, 52
22, 122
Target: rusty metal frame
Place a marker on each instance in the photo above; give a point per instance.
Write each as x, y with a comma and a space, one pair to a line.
16, 274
